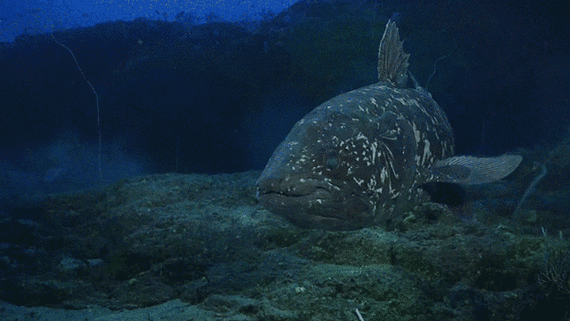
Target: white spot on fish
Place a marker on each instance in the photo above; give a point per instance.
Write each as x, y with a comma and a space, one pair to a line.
427, 152
358, 181
373, 147
383, 174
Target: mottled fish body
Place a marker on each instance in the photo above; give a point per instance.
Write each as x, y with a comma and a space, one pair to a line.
360, 158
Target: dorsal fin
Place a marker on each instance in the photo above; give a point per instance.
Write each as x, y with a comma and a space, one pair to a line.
392, 60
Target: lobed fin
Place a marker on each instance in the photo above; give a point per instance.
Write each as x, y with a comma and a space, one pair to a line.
475, 170
392, 60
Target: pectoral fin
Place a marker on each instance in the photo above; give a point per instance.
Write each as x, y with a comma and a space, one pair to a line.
474, 170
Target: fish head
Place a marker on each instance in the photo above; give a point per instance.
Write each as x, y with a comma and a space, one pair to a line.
323, 175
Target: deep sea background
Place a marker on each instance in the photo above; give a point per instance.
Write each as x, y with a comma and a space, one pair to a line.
188, 96
140, 119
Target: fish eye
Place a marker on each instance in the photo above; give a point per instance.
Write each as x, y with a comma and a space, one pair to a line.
331, 160
402, 79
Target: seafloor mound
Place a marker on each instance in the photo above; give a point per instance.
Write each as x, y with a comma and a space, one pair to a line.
204, 239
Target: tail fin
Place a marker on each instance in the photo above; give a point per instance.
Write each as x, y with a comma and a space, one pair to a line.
392, 60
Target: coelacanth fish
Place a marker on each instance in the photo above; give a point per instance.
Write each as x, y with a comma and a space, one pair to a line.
361, 158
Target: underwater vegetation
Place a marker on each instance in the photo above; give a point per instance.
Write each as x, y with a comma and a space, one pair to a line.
555, 274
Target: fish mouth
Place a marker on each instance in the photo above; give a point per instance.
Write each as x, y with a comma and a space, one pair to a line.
300, 190
305, 191
308, 203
